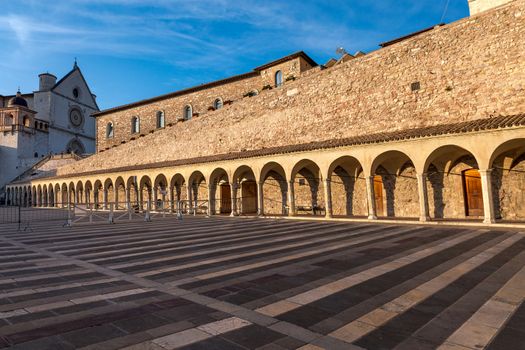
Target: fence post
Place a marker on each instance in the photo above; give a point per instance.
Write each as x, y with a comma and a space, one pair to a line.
111, 221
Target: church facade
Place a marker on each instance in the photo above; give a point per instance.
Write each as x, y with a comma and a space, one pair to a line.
52, 121
429, 128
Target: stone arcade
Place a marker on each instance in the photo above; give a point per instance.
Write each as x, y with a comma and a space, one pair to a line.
430, 127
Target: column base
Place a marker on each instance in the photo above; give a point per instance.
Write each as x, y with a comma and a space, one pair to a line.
489, 221
372, 217
328, 216
424, 218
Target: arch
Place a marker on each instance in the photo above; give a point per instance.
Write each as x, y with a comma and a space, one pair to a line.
394, 183
26, 121
121, 199
160, 192
187, 112
178, 192
145, 193
244, 176
79, 190
198, 191
221, 192
347, 187
51, 194
278, 78
9, 120
64, 195
110, 130
58, 195
274, 189
446, 179
45, 198
39, 196
98, 194
88, 192
72, 194
75, 146
132, 187
507, 177
308, 188
109, 193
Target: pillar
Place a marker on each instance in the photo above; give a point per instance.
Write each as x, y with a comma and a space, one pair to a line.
155, 197
105, 199
372, 215
328, 198
260, 198
488, 199
233, 188
211, 200
172, 199
291, 198
423, 197
190, 200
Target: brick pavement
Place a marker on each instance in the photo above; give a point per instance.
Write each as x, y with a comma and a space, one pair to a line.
225, 283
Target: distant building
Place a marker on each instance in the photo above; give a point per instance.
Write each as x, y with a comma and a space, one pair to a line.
55, 119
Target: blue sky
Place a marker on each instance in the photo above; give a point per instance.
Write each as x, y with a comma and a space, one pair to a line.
134, 49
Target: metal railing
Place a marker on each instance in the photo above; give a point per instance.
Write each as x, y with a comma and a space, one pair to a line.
112, 212
24, 217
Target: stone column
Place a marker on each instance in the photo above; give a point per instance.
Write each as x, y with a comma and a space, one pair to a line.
291, 198
234, 198
328, 198
128, 198
211, 200
372, 214
488, 199
105, 198
190, 199
423, 197
155, 197
172, 199
260, 199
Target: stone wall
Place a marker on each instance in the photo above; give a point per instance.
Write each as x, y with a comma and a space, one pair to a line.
508, 182
467, 70
477, 6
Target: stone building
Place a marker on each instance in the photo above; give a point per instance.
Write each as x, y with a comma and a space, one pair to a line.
56, 119
430, 127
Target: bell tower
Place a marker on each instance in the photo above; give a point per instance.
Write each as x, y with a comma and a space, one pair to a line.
477, 6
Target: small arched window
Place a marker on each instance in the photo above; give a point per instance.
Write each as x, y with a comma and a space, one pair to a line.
9, 119
27, 121
188, 112
217, 104
160, 120
135, 125
110, 132
278, 78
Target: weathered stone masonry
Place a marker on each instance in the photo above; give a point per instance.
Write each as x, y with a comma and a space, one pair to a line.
430, 127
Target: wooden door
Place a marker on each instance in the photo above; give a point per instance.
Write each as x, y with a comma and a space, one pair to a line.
226, 199
249, 197
473, 192
378, 195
